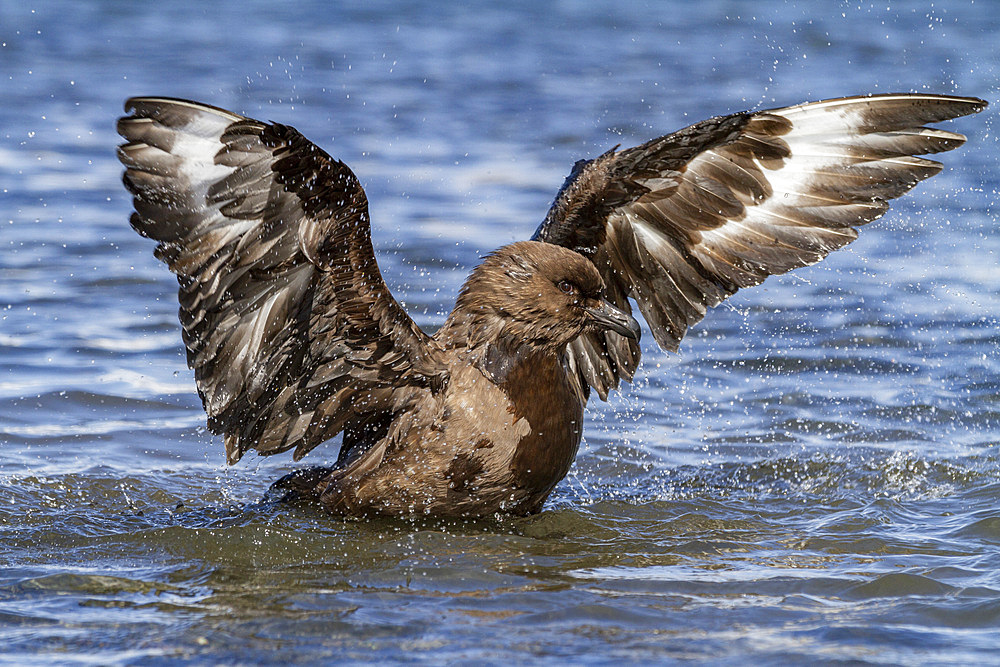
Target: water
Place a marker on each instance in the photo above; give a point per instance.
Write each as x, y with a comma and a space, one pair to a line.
815, 477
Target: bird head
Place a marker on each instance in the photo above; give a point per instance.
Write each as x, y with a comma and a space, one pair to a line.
539, 294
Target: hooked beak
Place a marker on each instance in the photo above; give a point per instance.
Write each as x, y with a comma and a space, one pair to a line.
608, 316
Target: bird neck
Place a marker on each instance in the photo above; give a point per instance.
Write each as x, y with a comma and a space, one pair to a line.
493, 345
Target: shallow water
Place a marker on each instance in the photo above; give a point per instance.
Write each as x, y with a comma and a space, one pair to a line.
814, 477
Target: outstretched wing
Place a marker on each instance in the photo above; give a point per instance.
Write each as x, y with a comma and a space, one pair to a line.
682, 222
289, 327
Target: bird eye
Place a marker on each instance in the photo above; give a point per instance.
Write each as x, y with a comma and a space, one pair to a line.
567, 287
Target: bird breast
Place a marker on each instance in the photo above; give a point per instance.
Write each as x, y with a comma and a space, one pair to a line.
522, 430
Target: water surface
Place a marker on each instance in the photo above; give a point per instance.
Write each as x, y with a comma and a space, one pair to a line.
815, 476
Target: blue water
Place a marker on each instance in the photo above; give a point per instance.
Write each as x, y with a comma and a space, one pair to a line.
814, 477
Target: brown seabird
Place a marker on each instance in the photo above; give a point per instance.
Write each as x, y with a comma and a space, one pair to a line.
294, 337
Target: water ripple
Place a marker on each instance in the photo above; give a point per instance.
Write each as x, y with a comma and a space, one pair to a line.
813, 477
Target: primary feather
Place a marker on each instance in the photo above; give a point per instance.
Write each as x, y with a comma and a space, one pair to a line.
683, 221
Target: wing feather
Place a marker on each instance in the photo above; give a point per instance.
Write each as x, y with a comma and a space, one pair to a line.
285, 316
683, 221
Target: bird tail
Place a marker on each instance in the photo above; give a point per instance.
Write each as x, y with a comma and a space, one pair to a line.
301, 485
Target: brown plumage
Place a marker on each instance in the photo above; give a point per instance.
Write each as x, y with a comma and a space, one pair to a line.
294, 337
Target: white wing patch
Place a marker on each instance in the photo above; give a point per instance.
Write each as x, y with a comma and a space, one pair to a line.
780, 190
